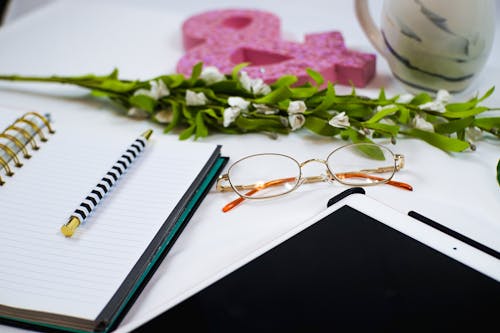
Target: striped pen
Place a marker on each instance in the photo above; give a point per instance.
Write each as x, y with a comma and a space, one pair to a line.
97, 194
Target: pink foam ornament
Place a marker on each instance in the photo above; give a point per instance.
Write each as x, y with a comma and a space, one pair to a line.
225, 38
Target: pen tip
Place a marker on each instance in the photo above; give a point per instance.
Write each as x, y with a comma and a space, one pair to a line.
147, 134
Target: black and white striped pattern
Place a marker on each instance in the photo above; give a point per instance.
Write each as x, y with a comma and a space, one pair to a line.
100, 190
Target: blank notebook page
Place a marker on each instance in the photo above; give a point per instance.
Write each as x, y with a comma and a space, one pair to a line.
42, 270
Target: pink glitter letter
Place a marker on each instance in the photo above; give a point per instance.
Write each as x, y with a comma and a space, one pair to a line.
225, 38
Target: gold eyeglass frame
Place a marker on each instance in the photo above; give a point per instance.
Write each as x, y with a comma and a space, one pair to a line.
399, 162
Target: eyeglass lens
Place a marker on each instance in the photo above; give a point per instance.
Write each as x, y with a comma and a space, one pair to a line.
362, 164
264, 175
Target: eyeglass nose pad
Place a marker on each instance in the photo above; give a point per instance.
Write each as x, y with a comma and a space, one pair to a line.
329, 176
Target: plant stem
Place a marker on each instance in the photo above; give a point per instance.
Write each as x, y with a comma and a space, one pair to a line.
54, 79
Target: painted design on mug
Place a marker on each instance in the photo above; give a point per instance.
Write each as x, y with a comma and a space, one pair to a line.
432, 44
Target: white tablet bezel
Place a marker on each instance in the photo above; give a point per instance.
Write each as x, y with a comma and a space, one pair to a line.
440, 241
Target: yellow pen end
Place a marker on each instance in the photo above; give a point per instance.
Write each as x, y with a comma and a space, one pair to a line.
147, 134
69, 228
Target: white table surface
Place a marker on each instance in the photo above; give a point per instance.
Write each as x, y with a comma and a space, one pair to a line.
143, 39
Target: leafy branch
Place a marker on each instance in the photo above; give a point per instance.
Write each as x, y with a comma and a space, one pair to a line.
209, 101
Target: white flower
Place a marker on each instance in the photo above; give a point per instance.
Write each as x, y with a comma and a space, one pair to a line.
137, 113
238, 102
443, 96
433, 106
211, 75
296, 121
255, 86
164, 116
420, 123
237, 105
341, 120
157, 90
296, 107
473, 133
262, 108
193, 98
386, 107
230, 115
405, 98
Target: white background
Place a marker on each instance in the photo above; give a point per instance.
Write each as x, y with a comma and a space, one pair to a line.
143, 39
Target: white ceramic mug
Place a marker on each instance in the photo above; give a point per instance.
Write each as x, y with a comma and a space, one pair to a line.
432, 44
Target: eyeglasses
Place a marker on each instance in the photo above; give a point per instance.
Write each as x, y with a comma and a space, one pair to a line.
269, 175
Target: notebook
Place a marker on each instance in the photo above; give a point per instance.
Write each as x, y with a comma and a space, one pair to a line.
87, 282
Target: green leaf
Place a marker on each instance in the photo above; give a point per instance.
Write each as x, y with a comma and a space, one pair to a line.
487, 94
275, 96
237, 69
186, 113
196, 72
328, 100
176, 115
174, 80
453, 126
230, 88
440, 141
381, 95
456, 107
461, 135
320, 126
421, 98
268, 124
187, 132
316, 76
201, 128
285, 80
114, 74
303, 92
487, 123
143, 102
212, 113
392, 130
403, 114
466, 113
382, 114
359, 111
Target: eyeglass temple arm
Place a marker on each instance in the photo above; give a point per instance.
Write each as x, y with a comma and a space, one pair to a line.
254, 189
225, 188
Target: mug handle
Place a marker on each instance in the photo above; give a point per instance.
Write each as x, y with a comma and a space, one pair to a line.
368, 25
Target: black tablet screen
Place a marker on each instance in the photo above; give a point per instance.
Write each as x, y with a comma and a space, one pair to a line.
348, 272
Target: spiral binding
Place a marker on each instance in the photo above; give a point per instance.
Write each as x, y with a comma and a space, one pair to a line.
16, 137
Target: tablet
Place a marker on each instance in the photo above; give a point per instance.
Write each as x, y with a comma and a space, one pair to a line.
358, 266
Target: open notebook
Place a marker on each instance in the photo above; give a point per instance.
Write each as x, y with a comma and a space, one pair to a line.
86, 282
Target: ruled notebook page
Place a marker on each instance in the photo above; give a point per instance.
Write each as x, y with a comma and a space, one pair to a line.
42, 270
